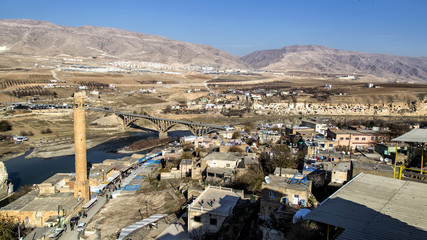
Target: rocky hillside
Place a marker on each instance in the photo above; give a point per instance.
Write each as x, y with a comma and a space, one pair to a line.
36, 38
312, 58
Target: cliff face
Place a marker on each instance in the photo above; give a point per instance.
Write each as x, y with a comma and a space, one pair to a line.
5, 186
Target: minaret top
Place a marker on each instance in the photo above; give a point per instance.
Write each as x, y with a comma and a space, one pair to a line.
79, 98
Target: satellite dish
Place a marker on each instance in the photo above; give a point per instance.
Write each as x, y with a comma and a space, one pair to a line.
267, 180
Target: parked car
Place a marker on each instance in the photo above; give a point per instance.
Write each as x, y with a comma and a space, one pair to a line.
81, 227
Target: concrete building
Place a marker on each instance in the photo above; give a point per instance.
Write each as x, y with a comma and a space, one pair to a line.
375, 207
278, 193
340, 172
319, 127
210, 209
360, 139
50, 203
220, 167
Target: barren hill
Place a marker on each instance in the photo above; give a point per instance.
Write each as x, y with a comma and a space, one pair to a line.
313, 58
39, 38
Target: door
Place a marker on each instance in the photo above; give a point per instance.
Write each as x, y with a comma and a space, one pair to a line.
296, 199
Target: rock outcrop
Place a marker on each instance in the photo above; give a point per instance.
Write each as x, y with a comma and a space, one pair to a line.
6, 187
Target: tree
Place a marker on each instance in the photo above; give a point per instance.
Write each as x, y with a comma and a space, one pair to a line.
168, 109
187, 155
5, 126
283, 158
249, 126
236, 135
8, 227
251, 182
266, 163
235, 149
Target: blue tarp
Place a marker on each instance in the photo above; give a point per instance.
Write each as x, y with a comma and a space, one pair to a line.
140, 177
151, 162
131, 187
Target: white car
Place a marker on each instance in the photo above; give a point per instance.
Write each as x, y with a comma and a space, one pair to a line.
81, 226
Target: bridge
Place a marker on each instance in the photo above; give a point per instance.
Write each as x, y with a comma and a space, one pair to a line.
163, 125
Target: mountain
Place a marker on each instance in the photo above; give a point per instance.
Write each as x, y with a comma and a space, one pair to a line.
313, 58
40, 38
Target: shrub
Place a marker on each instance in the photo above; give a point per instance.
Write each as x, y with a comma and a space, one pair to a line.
46, 131
5, 126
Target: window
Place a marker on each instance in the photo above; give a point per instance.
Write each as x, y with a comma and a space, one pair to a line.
213, 221
197, 219
272, 194
341, 138
372, 138
227, 165
357, 139
364, 139
347, 138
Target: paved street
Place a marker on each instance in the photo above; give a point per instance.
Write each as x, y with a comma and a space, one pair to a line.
71, 235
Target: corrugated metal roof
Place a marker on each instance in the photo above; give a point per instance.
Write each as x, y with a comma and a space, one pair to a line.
375, 207
415, 135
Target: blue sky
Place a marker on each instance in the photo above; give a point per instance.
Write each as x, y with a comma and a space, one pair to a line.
241, 27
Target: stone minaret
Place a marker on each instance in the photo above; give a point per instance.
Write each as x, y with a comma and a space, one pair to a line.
81, 187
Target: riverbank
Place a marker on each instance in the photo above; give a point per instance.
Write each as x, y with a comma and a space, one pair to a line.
65, 148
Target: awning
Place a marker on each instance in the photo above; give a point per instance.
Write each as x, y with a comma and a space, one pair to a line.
415, 135
98, 188
113, 177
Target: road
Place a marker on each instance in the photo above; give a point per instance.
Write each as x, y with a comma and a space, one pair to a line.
71, 235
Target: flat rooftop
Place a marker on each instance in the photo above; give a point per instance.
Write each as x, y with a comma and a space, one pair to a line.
376, 207
285, 182
220, 156
372, 166
33, 202
58, 177
224, 200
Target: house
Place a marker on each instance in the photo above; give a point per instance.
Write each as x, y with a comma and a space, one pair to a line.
172, 153
211, 208
220, 167
188, 139
280, 192
374, 207
227, 145
319, 127
340, 172
185, 166
360, 139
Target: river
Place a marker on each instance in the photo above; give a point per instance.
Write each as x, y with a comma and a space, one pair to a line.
31, 171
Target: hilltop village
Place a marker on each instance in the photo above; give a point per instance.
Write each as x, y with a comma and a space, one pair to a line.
245, 181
